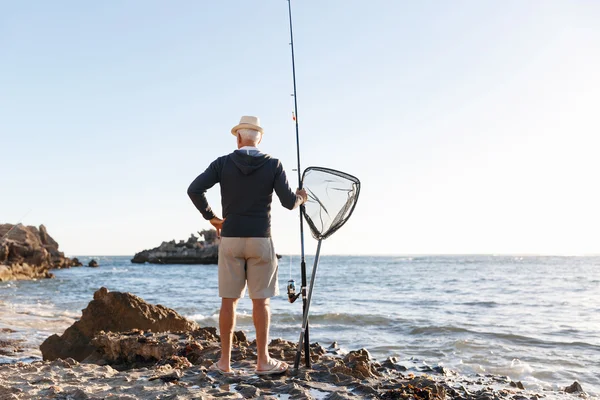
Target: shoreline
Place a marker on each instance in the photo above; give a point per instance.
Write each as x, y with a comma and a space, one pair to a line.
185, 374
334, 375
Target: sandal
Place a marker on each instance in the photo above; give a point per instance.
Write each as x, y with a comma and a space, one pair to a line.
280, 367
215, 367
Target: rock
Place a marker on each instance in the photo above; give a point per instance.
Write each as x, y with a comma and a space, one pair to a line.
358, 365
247, 391
418, 388
365, 391
116, 312
358, 355
76, 263
93, 263
442, 370
295, 390
239, 336
392, 363
518, 385
27, 252
574, 388
77, 394
172, 376
190, 252
127, 349
436, 390
176, 362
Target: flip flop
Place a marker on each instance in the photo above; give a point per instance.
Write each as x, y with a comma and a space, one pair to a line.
215, 368
275, 370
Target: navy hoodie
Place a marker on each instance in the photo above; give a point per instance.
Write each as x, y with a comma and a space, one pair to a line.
248, 179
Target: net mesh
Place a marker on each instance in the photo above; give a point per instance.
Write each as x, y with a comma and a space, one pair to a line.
332, 196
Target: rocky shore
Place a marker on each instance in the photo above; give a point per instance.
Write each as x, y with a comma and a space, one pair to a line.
124, 348
192, 251
27, 252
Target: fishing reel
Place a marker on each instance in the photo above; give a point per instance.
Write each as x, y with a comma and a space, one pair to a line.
291, 291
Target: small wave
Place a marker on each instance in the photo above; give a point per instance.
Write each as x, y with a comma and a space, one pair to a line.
199, 317
213, 320
520, 367
339, 318
486, 304
508, 337
70, 314
321, 319
433, 330
540, 342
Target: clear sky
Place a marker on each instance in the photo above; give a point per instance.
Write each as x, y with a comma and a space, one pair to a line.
473, 125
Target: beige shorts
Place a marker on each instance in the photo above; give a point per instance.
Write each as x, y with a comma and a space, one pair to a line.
247, 260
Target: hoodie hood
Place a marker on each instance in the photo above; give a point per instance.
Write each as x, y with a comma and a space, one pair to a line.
249, 161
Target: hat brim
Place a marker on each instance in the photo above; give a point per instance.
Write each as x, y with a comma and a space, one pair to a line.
245, 126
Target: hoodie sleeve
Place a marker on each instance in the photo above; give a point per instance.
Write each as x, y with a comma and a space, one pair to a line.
288, 198
198, 188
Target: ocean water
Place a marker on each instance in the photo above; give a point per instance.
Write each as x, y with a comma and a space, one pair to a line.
535, 319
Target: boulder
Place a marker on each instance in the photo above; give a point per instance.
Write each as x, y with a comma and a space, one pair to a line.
575, 387
93, 264
27, 252
114, 312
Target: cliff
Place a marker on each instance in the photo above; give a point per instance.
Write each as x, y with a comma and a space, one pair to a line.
27, 252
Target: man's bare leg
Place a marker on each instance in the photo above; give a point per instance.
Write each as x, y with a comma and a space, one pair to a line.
226, 326
261, 315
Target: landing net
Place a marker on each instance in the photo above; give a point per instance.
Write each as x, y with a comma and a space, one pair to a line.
332, 196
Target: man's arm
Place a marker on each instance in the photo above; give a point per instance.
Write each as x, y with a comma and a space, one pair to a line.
198, 188
288, 198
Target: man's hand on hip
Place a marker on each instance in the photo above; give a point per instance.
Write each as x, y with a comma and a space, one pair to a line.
218, 224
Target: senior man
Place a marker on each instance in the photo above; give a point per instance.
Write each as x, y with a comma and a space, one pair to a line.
248, 178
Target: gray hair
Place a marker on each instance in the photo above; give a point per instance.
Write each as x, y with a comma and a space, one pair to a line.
249, 135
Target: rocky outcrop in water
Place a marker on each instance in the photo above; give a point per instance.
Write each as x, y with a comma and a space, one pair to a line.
27, 252
115, 312
192, 251
76, 263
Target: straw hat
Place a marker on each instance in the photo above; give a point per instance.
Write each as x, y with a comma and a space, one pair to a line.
247, 122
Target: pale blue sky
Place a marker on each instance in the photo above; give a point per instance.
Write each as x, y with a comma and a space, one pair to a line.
473, 125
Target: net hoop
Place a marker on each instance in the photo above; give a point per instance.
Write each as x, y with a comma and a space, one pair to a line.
342, 216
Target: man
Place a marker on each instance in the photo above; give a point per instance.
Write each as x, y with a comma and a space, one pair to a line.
246, 254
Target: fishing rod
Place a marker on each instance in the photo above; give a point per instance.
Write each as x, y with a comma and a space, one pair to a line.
292, 296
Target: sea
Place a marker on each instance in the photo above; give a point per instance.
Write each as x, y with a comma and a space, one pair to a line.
534, 319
